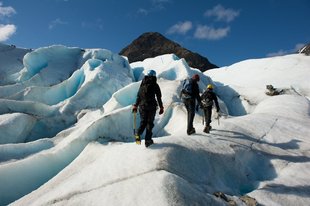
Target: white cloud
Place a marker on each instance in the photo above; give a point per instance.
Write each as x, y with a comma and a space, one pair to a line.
6, 11
56, 22
6, 31
180, 28
143, 11
282, 52
222, 14
210, 33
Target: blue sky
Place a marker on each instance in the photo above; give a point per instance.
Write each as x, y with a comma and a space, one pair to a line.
225, 32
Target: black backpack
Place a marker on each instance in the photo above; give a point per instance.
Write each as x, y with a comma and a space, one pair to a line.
147, 91
207, 99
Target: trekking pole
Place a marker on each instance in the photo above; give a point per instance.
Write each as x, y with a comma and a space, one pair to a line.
203, 117
218, 119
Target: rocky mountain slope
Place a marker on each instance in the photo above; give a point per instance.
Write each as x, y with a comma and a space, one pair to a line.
305, 50
152, 44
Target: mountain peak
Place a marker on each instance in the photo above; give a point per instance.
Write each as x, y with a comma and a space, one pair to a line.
152, 44
305, 49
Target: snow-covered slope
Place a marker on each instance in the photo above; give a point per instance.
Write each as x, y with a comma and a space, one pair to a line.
260, 147
249, 79
11, 61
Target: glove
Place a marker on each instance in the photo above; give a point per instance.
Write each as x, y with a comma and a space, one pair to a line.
161, 110
134, 108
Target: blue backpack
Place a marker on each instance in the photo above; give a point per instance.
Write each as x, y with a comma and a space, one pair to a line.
187, 89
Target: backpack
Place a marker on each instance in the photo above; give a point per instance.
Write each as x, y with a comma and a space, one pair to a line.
187, 89
207, 99
147, 92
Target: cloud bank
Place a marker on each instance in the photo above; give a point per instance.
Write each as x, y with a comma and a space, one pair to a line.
205, 31
6, 11
180, 28
6, 30
222, 14
210, 33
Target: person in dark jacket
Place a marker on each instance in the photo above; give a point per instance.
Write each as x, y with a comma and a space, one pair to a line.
189, 98
207, 99
147, 105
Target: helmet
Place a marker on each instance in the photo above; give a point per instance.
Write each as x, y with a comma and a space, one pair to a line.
151, 73
209, 86
196, 77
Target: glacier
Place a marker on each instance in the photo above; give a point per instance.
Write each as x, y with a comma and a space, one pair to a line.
66, 131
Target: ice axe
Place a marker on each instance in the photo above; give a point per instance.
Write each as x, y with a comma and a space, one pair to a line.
137, 138
218, 118
134, 122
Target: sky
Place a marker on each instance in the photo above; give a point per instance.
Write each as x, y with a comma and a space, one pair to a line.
224, 31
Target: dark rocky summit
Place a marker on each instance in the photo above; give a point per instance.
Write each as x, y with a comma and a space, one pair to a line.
152, 44
305, 50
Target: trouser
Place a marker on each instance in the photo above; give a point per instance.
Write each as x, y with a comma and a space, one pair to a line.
207, 113
147, 117
190, 107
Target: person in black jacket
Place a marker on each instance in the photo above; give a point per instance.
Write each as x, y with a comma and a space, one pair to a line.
189, 95
147, 105
207, 99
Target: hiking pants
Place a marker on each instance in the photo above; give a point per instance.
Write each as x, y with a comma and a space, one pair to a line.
208, 113
147, 117
190, 107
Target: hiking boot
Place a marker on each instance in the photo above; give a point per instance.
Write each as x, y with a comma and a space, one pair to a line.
207, 129
148, 142
192, 131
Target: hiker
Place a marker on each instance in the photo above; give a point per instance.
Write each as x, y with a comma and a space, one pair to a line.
207, 99
147, 105
189, 95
